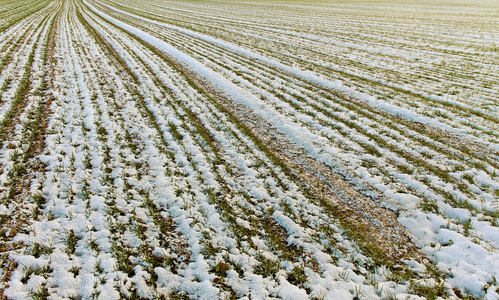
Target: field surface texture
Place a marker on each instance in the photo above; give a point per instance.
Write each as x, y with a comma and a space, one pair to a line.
249, 149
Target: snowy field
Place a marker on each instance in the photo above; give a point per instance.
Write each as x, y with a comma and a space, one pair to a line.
254, 149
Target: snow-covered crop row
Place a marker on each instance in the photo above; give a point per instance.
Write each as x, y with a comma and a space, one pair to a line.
258, 150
